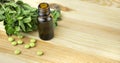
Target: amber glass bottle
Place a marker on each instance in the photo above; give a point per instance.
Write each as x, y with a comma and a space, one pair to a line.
45, 23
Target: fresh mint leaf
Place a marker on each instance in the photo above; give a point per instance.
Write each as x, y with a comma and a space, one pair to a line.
19, 2
29, 25
56, 15
5, 1
9, 29
2, 17
19, 18
11, 4
1, 12
21, 24
27, 7
27, 20
26, 12
12, 12
17, 28
18, 10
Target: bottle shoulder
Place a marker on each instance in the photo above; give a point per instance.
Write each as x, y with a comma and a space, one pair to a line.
44, 18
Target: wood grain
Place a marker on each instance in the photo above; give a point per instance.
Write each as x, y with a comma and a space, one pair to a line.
114, 3
88, 28
52, 53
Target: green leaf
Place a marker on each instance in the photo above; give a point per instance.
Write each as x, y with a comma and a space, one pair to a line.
26, 6
2, 17
18, 10
26, 12
7, 9
9, 19
21, 24
19, 18
11, 4
29, 29
17, 28
33, 9
9, 29
19, 2
1, 12
29, 25
56, 15
12, 12
4, 1
27, 20
17, 32
2, 7
34, 25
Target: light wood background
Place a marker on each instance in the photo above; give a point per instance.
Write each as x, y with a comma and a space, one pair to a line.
86, 29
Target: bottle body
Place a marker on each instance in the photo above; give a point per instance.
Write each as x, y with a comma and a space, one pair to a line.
45, 23
45, 28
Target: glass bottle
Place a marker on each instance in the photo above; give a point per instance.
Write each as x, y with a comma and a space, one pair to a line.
45, 23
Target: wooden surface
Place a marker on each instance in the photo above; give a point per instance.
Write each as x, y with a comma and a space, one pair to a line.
113, 3
87, 28
52, 53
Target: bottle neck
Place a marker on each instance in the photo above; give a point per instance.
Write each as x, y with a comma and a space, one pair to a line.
45, 13
43, 9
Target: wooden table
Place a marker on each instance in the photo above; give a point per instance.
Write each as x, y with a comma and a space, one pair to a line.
88, 33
